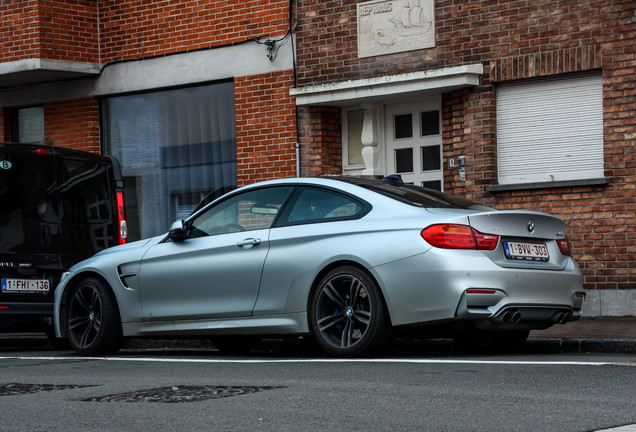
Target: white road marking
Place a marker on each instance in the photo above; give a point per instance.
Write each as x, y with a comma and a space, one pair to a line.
626, 428
321, 360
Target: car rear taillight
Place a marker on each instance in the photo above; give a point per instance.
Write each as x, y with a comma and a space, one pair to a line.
455, 236
480, 291
565, 247
121, 218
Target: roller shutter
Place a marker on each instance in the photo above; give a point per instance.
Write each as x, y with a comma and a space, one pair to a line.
550, 130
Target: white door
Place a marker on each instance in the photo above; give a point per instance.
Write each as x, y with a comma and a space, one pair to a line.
414, 142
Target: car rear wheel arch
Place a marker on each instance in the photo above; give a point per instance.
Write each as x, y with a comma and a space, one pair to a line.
347, 312
335, 265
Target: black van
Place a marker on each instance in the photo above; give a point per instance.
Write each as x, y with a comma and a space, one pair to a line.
57, 207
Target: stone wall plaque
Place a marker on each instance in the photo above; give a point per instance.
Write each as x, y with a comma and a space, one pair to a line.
391, 26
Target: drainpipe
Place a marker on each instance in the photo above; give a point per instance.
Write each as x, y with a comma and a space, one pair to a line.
292, 27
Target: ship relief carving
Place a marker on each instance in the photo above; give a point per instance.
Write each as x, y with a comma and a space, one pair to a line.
386, 27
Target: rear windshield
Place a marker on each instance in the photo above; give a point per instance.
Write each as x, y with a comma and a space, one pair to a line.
414, 195
84, 190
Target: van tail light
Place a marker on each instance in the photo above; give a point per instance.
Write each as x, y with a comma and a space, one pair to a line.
565, 246
121, 218
455, 236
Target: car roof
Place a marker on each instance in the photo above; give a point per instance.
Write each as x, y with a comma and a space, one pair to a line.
388, 189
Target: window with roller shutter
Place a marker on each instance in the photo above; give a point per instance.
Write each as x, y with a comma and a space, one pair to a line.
550, 130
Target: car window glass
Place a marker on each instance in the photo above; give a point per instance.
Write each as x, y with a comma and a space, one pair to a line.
84, 192
415, 195
27, 187
322, 205
251, 210
29, 219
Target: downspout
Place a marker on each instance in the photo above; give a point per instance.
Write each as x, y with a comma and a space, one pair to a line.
99, 34
293, 47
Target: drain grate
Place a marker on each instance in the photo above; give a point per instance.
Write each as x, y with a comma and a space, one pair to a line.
180, 394
14, 389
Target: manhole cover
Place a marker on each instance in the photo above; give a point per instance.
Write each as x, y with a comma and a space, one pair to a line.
14, 389
180, 394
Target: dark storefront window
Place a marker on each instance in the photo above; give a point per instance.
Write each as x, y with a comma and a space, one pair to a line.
27, 125
174, 147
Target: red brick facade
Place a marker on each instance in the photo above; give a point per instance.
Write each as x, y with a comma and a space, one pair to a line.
133, 29
105, 31
512, 40
55, 30
108, 32
5, 129
73, 124
320, 140
265, 127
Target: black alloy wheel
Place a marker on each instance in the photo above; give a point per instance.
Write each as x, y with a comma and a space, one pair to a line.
93, 322
348, 314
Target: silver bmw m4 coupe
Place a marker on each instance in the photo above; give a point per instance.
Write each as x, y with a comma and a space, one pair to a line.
350, 261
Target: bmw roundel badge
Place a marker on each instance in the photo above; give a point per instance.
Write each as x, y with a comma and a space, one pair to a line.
531, 226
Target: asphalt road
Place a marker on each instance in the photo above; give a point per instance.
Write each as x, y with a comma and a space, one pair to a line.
202, 390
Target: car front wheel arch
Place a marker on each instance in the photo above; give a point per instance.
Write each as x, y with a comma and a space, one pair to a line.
92, 319
64, 301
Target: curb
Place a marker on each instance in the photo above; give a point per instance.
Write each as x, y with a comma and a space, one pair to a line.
308, 347
597, 346
407, 347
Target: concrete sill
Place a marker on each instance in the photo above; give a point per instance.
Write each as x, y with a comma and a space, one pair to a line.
547, 185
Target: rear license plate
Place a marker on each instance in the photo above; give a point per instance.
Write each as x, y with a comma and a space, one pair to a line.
526, 251
25, 286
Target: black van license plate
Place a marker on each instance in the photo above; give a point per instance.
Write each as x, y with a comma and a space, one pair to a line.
25, 286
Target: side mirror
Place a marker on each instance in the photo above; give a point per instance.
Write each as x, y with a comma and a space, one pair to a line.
177, 231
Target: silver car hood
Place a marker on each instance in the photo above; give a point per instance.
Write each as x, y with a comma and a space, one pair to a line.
132, 251
130, 246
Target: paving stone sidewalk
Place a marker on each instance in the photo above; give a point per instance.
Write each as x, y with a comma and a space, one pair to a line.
587, 335
591, 329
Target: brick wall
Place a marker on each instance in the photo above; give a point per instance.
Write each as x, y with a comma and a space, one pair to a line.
68, 29
73, 124
265, 127
513, 40
320, 141
56, 30
473, 32
5, 130
19, 36
134, 29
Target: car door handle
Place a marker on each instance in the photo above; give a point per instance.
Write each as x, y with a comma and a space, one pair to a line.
249, 242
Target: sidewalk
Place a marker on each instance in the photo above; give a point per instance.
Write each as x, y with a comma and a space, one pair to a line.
587, 335
605, 328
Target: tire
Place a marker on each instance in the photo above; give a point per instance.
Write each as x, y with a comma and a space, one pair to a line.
348, 315
93, 322
491, 342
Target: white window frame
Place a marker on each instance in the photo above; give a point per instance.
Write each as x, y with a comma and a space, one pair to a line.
346, 167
